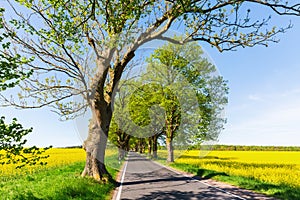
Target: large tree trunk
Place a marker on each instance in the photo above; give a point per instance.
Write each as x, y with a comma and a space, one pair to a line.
170, 149
101, 101
154, 143
95, 146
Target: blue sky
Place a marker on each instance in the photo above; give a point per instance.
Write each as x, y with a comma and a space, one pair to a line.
264, 97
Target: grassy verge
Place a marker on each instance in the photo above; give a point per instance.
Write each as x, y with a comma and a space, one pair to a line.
281, 191
58, 182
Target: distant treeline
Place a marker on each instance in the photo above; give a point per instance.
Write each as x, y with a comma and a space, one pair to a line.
221, 147
72, 147
251, 148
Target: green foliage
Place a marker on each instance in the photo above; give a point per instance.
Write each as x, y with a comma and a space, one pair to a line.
74, 40
148, 96
12, 135
12, 150
71, 41
11, 72
179, 95
12, 140
86, 45
184, 72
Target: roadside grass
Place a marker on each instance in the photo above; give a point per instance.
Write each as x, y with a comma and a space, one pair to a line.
281, 191
58, 182
242, 170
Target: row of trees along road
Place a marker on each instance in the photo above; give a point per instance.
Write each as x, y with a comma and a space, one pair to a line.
188, 92
81, 48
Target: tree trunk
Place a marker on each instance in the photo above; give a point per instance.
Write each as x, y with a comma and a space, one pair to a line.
154, 143
123, 143
136, 148
150, 146
127, 147
170, 149
95, 146
121, 152
141, 145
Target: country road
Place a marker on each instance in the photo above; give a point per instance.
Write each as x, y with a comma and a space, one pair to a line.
145, 179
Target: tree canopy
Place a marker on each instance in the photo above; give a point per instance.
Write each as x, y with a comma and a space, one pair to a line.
179, 93
82, 47
69, 40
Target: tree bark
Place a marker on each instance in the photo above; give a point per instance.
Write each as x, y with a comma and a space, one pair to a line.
123, 143
169, 142
136, 148
154, 143
127, 146
140, 146
95, 146
150, 143
121, 153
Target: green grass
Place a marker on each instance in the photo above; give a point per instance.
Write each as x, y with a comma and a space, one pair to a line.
280, 191
55, 183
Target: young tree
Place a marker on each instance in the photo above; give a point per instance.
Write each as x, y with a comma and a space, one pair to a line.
12, 135
82, 47
12, 150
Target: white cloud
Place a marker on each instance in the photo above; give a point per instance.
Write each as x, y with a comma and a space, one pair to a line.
291, 92
254, 97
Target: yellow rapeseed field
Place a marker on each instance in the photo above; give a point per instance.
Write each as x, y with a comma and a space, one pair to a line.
269, 166
58, 157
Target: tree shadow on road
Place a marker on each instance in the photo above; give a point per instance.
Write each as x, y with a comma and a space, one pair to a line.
188, 195
171, 179
203, 174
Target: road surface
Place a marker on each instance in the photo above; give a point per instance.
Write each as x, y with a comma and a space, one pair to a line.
145, 179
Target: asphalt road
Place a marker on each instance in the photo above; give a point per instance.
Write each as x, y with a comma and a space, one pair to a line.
145, 179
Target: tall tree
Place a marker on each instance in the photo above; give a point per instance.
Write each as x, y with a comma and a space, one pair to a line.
82, 47
181, 80
155, 91
129, 119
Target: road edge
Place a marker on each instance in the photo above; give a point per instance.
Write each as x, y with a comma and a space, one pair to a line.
191, 177
120, 179
215, 184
